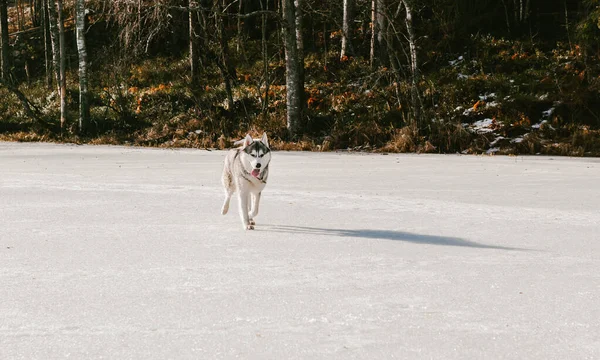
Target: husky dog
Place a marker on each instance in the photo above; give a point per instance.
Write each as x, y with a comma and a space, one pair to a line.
246, 171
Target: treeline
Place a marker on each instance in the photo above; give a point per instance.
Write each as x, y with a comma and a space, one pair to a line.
80, 53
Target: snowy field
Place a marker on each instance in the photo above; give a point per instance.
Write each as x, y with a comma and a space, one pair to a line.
121, 253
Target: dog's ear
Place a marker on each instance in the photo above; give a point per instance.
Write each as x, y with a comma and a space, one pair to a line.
248, 140
265, 140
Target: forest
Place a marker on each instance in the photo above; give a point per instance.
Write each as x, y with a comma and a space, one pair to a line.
499, 77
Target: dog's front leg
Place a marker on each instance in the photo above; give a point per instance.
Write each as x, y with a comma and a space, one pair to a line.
254, 211
243, 201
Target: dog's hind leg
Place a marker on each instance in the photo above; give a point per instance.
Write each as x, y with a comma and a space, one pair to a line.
225, 207
229, 189
254, 211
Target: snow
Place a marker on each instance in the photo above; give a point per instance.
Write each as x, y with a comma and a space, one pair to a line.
457, 61
482, 126
121, 253
548, 113
487, 96
498, 138
539, 125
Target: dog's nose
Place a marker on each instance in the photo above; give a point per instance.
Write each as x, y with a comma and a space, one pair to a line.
258, 166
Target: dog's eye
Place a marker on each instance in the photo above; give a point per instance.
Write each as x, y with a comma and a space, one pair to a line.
261, 155
253, 155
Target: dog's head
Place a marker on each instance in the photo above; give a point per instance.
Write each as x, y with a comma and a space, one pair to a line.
256, 153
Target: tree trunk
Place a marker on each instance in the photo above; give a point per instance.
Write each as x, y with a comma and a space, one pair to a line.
55, 42
57, 36
567, 26
292, 65
63, 60
84, 107
346, 29
300, 45
194, 55
19, 26
381, 31
239, 42
4, 42
506, 16
47, 45
373, 32
227, 71
414, 65
265, 55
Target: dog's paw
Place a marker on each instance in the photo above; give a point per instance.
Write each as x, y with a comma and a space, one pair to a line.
251, 222
250, 227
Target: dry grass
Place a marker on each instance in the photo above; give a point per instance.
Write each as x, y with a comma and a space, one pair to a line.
404, 140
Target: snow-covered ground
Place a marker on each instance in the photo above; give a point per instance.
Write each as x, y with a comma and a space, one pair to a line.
121, 253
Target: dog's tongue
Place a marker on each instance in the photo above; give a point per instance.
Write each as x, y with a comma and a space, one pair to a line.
255, 173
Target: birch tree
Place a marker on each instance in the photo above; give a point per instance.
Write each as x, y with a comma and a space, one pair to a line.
414, 64
57, 36
84, 108
346, 28
54, 40
292, 68
373, 32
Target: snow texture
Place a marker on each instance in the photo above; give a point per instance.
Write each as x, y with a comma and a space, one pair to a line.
482, 126
121, 253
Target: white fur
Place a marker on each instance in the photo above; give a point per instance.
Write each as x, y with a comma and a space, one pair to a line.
236, 178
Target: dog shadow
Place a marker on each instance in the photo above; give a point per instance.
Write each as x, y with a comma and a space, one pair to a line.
388, 235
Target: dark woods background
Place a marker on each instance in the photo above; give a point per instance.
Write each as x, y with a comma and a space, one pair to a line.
472, 76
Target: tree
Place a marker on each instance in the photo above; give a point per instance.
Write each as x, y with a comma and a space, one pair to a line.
381, 20
298, 4
54, 40
62, 63
264, 5
224, 63
520, 10
414, 64
84, 108
292, 68
373, 32
346, 29
57, 36
4, 41
193, 30
47, 43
